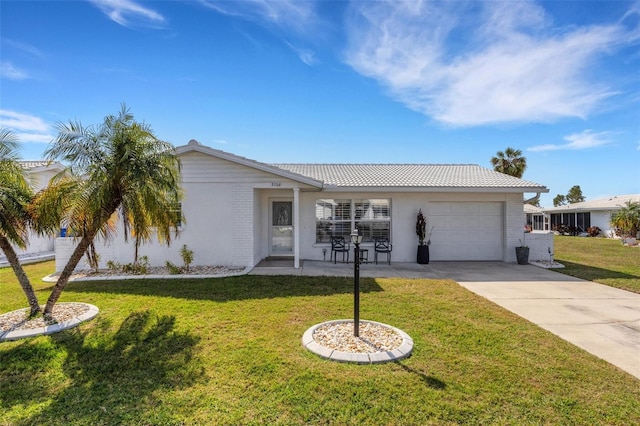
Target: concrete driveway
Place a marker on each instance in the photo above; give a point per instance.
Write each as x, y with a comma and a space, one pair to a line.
599, 319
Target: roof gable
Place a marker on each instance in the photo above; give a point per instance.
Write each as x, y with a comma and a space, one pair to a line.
195, 146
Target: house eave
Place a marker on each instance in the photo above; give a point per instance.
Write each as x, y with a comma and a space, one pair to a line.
433, 189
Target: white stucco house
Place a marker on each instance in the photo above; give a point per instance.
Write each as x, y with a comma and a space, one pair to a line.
590, 213
239, 211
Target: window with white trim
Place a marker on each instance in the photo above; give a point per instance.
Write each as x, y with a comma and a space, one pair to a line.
338, 217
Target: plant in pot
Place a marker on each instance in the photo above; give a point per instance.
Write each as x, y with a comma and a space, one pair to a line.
522, 253
423, 240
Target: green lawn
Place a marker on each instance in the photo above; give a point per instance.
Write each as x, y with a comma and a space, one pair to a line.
228, 351
602, 260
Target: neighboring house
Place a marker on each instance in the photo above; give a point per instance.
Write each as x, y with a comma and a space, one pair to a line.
536, 220
39, 173
586, 214
239, 211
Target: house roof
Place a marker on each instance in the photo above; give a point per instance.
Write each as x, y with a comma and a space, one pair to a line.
531, 209
40, 165
432, 176
608, 203
378, 177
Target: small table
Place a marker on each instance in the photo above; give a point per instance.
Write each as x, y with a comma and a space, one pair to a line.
364, 255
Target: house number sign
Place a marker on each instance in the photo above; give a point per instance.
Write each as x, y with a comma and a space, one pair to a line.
276, 184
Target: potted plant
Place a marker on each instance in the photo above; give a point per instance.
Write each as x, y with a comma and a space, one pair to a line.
522, 253
423, 240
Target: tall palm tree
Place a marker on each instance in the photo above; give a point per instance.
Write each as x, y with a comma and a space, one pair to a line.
15, 196
119, 171
510, 162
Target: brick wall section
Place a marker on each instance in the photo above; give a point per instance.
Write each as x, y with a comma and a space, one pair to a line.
539, 244
514, 218
242, 224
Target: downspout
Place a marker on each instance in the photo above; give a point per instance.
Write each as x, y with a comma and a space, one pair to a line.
533, 199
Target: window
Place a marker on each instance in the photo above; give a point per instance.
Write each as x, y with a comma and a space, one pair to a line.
337, 218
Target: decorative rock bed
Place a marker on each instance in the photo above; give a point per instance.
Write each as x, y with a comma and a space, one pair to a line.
15, 325
377, 342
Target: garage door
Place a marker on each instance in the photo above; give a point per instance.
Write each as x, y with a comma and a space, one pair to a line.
466, 231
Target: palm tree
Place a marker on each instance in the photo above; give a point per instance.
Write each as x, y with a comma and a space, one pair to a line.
627, 219
119, 171
15, 196
510, 162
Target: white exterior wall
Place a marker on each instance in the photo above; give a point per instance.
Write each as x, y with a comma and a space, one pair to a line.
540, 243
226, 209
602, 219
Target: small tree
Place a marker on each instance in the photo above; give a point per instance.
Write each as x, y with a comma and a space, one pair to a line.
575, 195
187, 257
15, 196
117, 170
626, 221
559, 200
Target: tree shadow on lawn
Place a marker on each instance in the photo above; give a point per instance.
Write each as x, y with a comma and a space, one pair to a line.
592, 273
229, 289
109, 378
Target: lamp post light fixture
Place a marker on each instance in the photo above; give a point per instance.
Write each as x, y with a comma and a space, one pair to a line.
356, 239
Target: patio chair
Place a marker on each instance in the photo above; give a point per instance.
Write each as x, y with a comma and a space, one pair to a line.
382, 245
338, 245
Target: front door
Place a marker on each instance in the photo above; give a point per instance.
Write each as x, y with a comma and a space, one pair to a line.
281, 228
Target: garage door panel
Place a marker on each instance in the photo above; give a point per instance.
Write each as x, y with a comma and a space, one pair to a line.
466, 231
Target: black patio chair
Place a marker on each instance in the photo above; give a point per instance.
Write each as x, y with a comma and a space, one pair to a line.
382, 245
338, 245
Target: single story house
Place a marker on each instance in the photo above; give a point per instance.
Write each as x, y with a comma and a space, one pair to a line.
537, 220
239, 211
586, 214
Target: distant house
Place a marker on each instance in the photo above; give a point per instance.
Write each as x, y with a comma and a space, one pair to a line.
536, 218
239, 211
586, 214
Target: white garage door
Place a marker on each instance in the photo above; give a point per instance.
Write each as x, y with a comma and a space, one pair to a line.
466, 231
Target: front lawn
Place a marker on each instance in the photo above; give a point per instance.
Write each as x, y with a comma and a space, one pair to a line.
228, 351
603, 260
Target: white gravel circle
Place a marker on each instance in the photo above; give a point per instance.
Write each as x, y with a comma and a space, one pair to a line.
377, 342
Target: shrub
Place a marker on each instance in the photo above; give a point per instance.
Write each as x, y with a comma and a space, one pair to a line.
173, 269
187, 256
593, 231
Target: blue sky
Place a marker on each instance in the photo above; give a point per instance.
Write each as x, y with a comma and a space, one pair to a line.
342, 82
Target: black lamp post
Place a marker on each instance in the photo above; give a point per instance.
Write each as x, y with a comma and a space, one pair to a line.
356, 239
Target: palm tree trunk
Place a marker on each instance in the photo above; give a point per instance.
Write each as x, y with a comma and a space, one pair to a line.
66, 273
12, 257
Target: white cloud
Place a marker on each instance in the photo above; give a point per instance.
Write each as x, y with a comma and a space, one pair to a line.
10, 72
28, 128
577, 141
478, 63
128, 13
293, 17
288, 14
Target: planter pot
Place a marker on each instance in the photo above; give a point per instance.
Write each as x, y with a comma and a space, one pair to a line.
423, 255
522, 255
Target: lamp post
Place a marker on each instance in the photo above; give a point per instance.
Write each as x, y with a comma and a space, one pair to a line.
356, 239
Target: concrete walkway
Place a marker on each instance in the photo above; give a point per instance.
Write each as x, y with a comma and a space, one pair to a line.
599, 319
